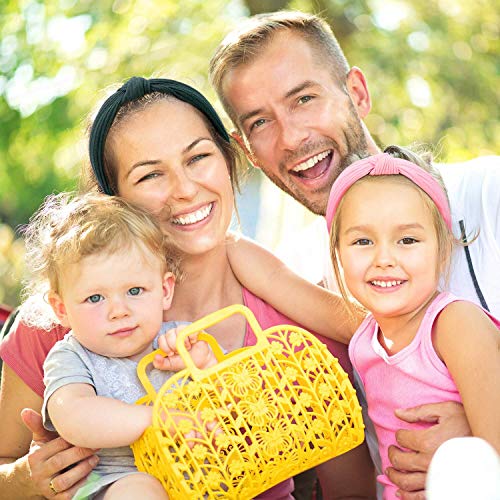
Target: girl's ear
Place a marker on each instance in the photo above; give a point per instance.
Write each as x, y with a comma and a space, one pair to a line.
57, 304
168, 290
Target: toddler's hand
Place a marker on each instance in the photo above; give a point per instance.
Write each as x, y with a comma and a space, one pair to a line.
199, 350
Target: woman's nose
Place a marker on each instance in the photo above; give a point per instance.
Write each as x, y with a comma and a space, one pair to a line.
183, 186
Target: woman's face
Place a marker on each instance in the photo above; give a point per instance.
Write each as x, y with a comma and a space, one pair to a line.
167, 162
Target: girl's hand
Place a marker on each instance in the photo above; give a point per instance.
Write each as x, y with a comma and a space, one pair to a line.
50, 455
199, 350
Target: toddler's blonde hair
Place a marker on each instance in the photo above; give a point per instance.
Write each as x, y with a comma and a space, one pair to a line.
69, 227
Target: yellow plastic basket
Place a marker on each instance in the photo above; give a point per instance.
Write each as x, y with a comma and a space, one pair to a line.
282, 406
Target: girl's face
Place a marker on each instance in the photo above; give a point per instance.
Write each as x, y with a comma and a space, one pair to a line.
167, 162
388, 247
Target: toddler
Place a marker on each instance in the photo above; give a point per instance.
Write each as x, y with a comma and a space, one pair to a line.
109, 273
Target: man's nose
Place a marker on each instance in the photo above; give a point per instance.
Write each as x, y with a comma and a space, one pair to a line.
292, 133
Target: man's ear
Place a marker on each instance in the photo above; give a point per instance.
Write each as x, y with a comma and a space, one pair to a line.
59, 308
358, 90
168, 290
244, 146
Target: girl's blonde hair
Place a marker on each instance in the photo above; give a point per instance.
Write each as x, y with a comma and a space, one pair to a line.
445, 238
69, 227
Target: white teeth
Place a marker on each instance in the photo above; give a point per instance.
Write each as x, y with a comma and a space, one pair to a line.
193, 217
386, 284
311, 162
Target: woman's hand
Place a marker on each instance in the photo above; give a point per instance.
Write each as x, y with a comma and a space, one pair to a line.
409, 469
48, 458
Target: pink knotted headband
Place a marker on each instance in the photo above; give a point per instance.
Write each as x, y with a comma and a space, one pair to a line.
385, 164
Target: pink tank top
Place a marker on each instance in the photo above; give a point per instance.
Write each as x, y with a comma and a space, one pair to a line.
413, 376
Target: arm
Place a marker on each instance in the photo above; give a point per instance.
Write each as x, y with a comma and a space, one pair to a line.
469, 344
25, 472
270, 279
98, 422
476, 334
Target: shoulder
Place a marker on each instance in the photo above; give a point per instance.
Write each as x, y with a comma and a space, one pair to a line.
479, 175
462, 320
264, 313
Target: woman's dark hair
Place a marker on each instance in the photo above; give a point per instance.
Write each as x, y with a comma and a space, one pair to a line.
135, 95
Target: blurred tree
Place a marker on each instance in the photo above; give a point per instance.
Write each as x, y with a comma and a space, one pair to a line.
432, 68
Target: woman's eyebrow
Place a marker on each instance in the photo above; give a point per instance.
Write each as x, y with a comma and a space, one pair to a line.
188, 148
195, 142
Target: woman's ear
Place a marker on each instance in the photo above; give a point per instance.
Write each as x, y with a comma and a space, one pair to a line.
57, 304
244, 146
168, 290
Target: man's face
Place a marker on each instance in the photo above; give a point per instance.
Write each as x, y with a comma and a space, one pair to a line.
301, 127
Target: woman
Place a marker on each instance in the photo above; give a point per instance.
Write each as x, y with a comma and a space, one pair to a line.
159, 144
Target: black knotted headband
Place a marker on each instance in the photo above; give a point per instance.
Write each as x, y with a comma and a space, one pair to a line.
132, 90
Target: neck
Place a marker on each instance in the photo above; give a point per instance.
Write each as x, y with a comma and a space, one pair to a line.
397, 332
208, 284
372, 147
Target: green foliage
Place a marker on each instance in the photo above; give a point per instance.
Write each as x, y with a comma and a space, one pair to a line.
433, 77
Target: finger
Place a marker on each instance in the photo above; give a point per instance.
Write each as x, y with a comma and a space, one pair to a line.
33, 421
162, 362
414, 495
431, 412
70, 456
172, 363
414, 440
164, 344
407, 460
74, 475
407, 481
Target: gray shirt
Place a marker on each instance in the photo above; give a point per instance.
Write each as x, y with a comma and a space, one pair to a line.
68, 362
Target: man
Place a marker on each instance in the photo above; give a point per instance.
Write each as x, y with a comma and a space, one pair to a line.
298, 108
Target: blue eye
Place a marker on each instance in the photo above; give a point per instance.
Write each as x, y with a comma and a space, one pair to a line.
257, 123
147, 177
305, 98
197, 158
94, 299
136, 290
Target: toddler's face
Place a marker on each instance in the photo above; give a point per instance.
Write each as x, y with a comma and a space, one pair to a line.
114, 303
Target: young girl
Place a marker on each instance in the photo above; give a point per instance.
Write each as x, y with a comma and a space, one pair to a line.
391, 244
103, 262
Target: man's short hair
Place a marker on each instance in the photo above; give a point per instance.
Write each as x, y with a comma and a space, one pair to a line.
245, 43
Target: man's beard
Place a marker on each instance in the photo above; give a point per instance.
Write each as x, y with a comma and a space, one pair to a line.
357, 148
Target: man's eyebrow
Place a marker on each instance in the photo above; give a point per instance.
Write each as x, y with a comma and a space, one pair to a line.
300, 87
188, 148
295, 90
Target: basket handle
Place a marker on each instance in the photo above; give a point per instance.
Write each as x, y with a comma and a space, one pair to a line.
199, 326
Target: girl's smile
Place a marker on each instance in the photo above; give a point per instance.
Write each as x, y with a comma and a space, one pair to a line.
388, 248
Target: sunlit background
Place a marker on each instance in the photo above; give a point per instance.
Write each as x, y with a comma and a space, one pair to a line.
432, 68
